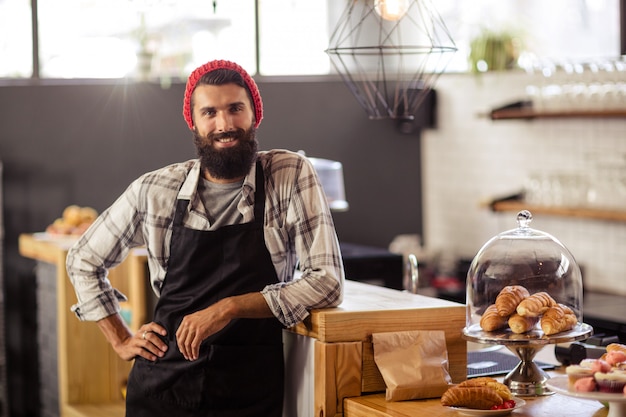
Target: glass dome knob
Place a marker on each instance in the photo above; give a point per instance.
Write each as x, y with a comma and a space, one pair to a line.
524, 218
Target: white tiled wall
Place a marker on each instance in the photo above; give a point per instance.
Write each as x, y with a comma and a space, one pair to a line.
469, 159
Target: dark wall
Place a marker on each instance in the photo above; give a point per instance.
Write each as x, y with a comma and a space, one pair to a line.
83, 144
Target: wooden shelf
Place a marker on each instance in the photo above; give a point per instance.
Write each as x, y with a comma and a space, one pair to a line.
578, 212
529, 113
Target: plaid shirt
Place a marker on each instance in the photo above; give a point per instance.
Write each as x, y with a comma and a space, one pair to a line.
298, 227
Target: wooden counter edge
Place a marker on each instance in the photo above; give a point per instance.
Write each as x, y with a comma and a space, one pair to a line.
40, 250
114, 409
319, 324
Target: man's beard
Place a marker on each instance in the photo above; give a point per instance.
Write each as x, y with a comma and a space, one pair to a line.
227, 163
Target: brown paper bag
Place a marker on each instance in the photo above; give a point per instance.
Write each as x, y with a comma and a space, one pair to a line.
414, 364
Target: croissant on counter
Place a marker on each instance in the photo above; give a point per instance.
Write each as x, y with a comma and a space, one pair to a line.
480, 398
535, 305
502, 390
491, 320
557, 319
520, 324
509, 298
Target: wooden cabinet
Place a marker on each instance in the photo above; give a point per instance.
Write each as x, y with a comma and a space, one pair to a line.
343, 351
90, 374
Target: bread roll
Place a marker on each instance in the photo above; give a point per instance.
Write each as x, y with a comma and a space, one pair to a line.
509, 298
480, 398
72, 215
88, 214
520, 324
491, 320
535, 305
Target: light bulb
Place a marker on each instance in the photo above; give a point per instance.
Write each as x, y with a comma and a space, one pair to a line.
391, 9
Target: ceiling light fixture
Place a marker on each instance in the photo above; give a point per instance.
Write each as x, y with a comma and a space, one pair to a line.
390, 53
391, 9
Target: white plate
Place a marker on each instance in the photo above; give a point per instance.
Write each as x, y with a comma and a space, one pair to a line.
560, 384
519, 403
617, 402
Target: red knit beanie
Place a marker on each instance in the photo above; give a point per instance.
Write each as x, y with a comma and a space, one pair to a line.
221, 64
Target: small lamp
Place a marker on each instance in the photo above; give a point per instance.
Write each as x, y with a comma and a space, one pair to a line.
390, 53
330, 174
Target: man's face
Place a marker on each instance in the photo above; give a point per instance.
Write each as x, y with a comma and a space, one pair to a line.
224, 133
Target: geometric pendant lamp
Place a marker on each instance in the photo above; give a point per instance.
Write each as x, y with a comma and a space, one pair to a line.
390, 54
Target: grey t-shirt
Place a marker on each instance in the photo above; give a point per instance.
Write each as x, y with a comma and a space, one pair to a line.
220, 202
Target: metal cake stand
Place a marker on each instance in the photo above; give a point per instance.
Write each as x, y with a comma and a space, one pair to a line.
527, 379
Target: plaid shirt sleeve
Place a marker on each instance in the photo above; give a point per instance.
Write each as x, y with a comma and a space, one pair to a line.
141, 216
299, 226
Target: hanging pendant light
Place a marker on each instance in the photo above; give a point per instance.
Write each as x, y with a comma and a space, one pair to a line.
390, 53
391, 9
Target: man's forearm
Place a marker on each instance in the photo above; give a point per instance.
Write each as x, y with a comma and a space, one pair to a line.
248, 306
114, 329
197, 326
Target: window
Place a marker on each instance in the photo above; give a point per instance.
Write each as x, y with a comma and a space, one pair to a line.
557, 29
293, 35
16, 41
166, 39
142, 38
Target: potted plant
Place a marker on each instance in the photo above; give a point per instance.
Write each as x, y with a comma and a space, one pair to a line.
494, 51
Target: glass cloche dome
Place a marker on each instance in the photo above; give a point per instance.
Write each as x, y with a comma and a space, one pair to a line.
523, 257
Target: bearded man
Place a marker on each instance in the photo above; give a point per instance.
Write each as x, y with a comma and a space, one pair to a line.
224, 233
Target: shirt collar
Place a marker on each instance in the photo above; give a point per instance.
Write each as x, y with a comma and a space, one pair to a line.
189, 189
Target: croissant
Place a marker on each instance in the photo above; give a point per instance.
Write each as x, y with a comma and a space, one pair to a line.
520, 324
491, 320
509, 298
535, 305
480, 398
558, 319
616, 347
502, 390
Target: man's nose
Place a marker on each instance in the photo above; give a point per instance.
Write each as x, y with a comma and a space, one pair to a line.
224, 122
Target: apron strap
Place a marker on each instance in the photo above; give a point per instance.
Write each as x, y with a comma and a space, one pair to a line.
259, 195
181, 209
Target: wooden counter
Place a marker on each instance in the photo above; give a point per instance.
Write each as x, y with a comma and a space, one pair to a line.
129, 277
556, 405
90, 373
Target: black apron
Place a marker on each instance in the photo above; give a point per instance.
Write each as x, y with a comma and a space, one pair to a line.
240, 369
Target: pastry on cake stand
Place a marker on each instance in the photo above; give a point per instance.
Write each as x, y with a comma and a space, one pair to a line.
527, 378
529, 273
